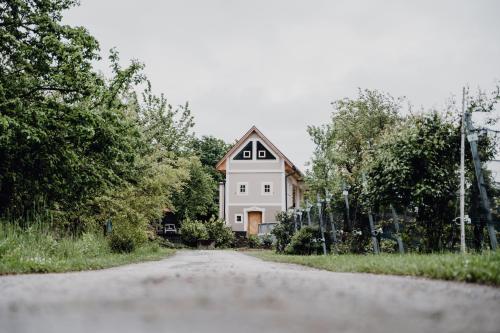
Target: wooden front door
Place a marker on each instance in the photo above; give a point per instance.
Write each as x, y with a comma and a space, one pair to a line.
254, 219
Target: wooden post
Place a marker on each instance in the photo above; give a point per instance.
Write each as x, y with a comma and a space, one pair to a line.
396, 226
462, 177
345, 193
472, 138
334, 232
376, 248
321, 224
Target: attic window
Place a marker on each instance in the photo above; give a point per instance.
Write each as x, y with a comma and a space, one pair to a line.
263, 153
247, 154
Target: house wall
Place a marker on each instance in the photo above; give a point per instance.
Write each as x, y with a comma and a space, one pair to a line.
254, 173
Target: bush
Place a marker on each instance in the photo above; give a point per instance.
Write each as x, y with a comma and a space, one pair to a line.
283, 231
267, 241
253, 241
219, 232
121, 243
306, 241
127, 234
388, 246
192, 231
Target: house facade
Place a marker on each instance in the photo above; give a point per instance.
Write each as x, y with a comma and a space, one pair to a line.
260, 182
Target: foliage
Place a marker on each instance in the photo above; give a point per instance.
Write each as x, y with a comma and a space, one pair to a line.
356, 241
382, 158
306, 241
132, 208
166, 129
192, 231
388, 246
64, 136
478, 268
196, 198
219, 232
267, 241
283, 231
415, 167
210, 150
37, 250
341, 144
253, 241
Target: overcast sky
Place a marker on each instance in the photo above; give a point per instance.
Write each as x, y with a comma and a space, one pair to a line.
279, 64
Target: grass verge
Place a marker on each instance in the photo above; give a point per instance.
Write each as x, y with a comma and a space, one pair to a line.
39, 252
477, 268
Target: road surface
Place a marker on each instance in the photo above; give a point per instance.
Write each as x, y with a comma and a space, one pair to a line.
226, 291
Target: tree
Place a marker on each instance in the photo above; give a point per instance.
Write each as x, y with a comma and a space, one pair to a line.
195, 200
211, 150
64, 133
340, 145
414, 167
166, 128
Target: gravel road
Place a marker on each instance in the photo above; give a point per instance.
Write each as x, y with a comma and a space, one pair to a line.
226, 291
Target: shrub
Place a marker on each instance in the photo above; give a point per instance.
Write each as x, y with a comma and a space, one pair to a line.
267, 241
283, 231
388, 246
192, 231
253, 241
306, 241
219, 232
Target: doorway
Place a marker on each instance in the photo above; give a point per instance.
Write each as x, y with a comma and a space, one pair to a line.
254, 219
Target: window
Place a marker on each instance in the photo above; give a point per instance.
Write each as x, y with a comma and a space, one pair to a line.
267, 188
238, 218
263, 153
242, 189
245, 153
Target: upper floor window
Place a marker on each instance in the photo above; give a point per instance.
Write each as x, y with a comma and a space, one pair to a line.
242, 188
267, 188
262, 154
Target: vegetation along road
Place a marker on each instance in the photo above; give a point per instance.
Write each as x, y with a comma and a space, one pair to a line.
226, 291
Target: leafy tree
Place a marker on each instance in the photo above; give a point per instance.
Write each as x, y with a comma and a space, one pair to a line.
415, 167
165, 128
210, 150
64, 136
195, 200
341, 145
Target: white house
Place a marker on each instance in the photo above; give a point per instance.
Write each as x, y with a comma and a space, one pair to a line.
260, 182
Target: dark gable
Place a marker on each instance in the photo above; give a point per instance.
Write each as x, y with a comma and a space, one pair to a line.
246, 153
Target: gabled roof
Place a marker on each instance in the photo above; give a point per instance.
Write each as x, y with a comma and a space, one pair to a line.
289, 166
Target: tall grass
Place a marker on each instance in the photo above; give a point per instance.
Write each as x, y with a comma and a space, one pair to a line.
35, 248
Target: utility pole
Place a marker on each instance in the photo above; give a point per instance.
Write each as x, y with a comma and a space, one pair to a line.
472, 138
321, 224
462, 177
396, 226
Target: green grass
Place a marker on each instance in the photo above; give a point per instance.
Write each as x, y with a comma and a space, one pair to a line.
35, 251
478, 268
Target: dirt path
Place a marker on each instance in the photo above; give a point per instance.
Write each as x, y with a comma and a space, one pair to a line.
226, 291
